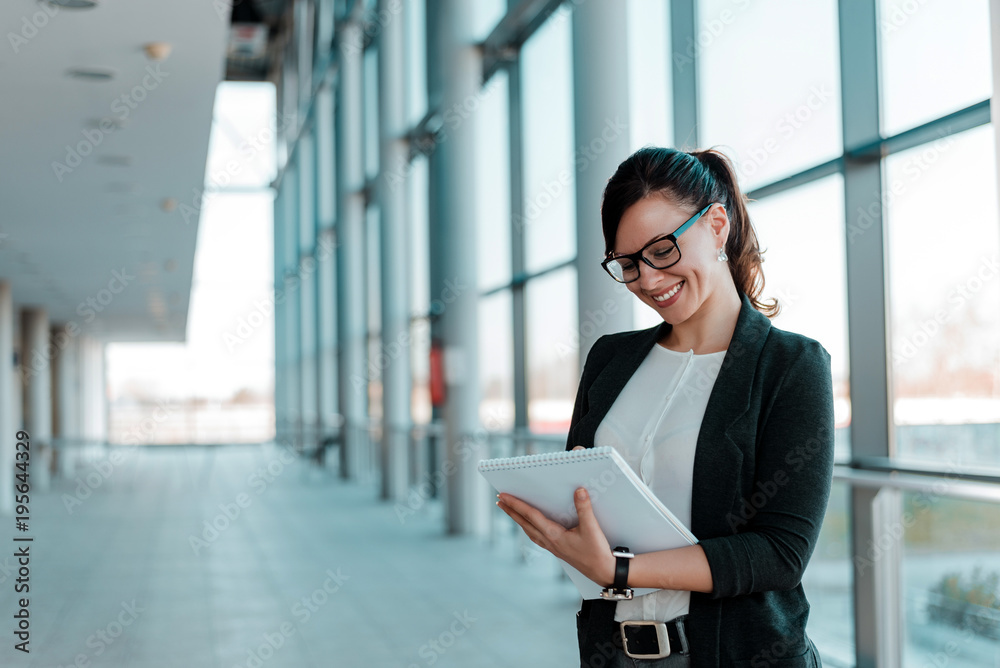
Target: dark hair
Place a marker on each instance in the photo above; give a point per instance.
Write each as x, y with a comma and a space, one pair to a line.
691, 181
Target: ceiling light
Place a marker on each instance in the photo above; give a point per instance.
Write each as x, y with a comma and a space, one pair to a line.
115, 160
122, 188
91, 74
73, 4
158, 50
126, 210
134, 228
107, 123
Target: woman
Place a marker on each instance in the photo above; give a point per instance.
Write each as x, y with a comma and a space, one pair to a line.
727, 419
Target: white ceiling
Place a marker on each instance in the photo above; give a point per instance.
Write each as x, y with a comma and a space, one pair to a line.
62, 241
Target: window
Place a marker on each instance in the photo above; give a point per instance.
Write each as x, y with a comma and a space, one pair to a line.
370, 106
650, 114
944, 278
553, 361
828, 583
935, 59
323, 32
373, 374
950, 580
496, 362
420, 328
373, 268
486, 15
420, 273
493, 184
769, 84
549, 182
802, 234
373, 279
416, 61
420, 352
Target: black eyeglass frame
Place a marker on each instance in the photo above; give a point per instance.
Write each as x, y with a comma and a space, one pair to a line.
638, 255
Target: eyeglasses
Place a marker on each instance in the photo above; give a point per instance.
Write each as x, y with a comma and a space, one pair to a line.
660, 253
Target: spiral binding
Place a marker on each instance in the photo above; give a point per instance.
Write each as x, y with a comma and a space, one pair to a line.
545, 458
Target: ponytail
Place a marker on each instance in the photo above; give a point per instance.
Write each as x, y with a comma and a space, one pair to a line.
691, 180
742, 247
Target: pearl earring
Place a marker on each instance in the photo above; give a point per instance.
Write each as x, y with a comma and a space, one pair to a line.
722, 255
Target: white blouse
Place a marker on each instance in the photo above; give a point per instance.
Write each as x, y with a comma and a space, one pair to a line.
654, 425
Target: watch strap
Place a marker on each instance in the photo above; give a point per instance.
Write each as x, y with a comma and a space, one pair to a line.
622, 558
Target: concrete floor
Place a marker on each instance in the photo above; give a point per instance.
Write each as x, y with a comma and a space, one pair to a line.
312, 571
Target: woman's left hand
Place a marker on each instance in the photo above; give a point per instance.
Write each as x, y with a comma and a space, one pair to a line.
584, 547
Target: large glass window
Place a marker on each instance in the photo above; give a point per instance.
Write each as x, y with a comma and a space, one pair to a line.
416, 61
553, 361
420, 272
649, 80
373, 375
370, 104
493, 183
802, 234
373, 278
950, 579
828, 584
420, 328
420, 351
944, 248
496, 361
935, 59
769, 84
373, 268
486, 15
323, 33
549, 179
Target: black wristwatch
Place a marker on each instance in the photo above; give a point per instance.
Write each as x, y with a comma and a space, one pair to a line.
619, 589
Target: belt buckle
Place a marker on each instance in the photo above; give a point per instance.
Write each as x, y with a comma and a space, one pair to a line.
662, 639
612, 594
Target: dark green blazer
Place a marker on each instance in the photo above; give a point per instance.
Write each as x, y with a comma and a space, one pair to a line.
762, 472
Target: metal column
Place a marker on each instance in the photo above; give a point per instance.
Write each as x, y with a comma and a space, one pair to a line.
395, 275
684, 30
454, 65
307, 291
68, 409
877, 629
37, 355
515, 114
600, 102
289, 281
326, 300
351, 321
281, 426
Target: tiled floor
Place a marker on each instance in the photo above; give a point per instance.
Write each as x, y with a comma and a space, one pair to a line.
313, 571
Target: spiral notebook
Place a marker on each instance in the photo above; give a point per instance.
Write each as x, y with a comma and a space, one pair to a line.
627, 510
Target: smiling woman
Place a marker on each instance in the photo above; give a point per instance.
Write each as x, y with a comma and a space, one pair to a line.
710, 408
